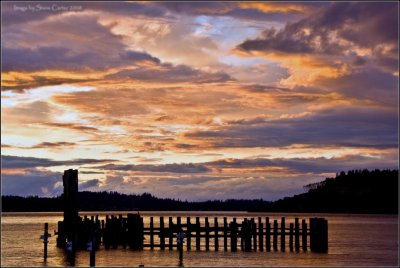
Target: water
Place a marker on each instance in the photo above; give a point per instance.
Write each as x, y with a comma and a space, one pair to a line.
354, 240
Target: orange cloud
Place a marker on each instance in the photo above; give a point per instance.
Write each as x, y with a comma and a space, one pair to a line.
275, 7
304, 69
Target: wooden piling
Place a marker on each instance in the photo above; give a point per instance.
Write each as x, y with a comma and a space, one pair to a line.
225, 234
216, 244
207, 234
283, 231
254, 233
93, 252
304, 234
188, 233
151, 233
260, 234
115, 231
267, 234
234, 230
170, 232
291, 237
45, 240
197, 233
162, 234
318, 235
180, 249
275, 237
178, 223
106, 233
242, 234
246, 228
124, 233
296, 234
135, 231
60, 235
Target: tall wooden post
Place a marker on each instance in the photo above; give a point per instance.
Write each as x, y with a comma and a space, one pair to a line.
70, 196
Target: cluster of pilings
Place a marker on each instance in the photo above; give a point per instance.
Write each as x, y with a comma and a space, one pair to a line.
111, 232
248, 235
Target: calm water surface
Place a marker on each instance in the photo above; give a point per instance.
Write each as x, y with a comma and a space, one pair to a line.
354, 240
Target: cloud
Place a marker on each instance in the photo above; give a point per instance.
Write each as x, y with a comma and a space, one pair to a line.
314, 165
70, 126
314, 33
246, 11
69, 47
31, 182
20, 81
27, 113
331, 43
61, 58
53, 144
171, 168
365, 84
169, 73
6, 146
21, 162
351, 126
89, 185
48, 145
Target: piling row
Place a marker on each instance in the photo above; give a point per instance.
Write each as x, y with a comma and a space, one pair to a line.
248, 235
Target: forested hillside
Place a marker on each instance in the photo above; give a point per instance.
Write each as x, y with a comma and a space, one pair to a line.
357, 191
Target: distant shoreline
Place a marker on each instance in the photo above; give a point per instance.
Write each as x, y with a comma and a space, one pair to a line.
148, 213
354, 192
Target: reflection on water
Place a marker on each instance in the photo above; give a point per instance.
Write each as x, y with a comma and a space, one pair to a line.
354, 240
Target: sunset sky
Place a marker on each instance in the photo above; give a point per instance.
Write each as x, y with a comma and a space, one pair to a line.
196, 100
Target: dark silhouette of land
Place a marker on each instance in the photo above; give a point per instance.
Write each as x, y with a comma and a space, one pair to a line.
357, 191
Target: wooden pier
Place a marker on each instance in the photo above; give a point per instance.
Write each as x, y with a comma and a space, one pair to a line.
253, 234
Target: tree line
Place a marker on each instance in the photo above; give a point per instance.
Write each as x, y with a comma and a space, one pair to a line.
357, 191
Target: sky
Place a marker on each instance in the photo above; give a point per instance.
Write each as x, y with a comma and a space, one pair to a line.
196, 100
